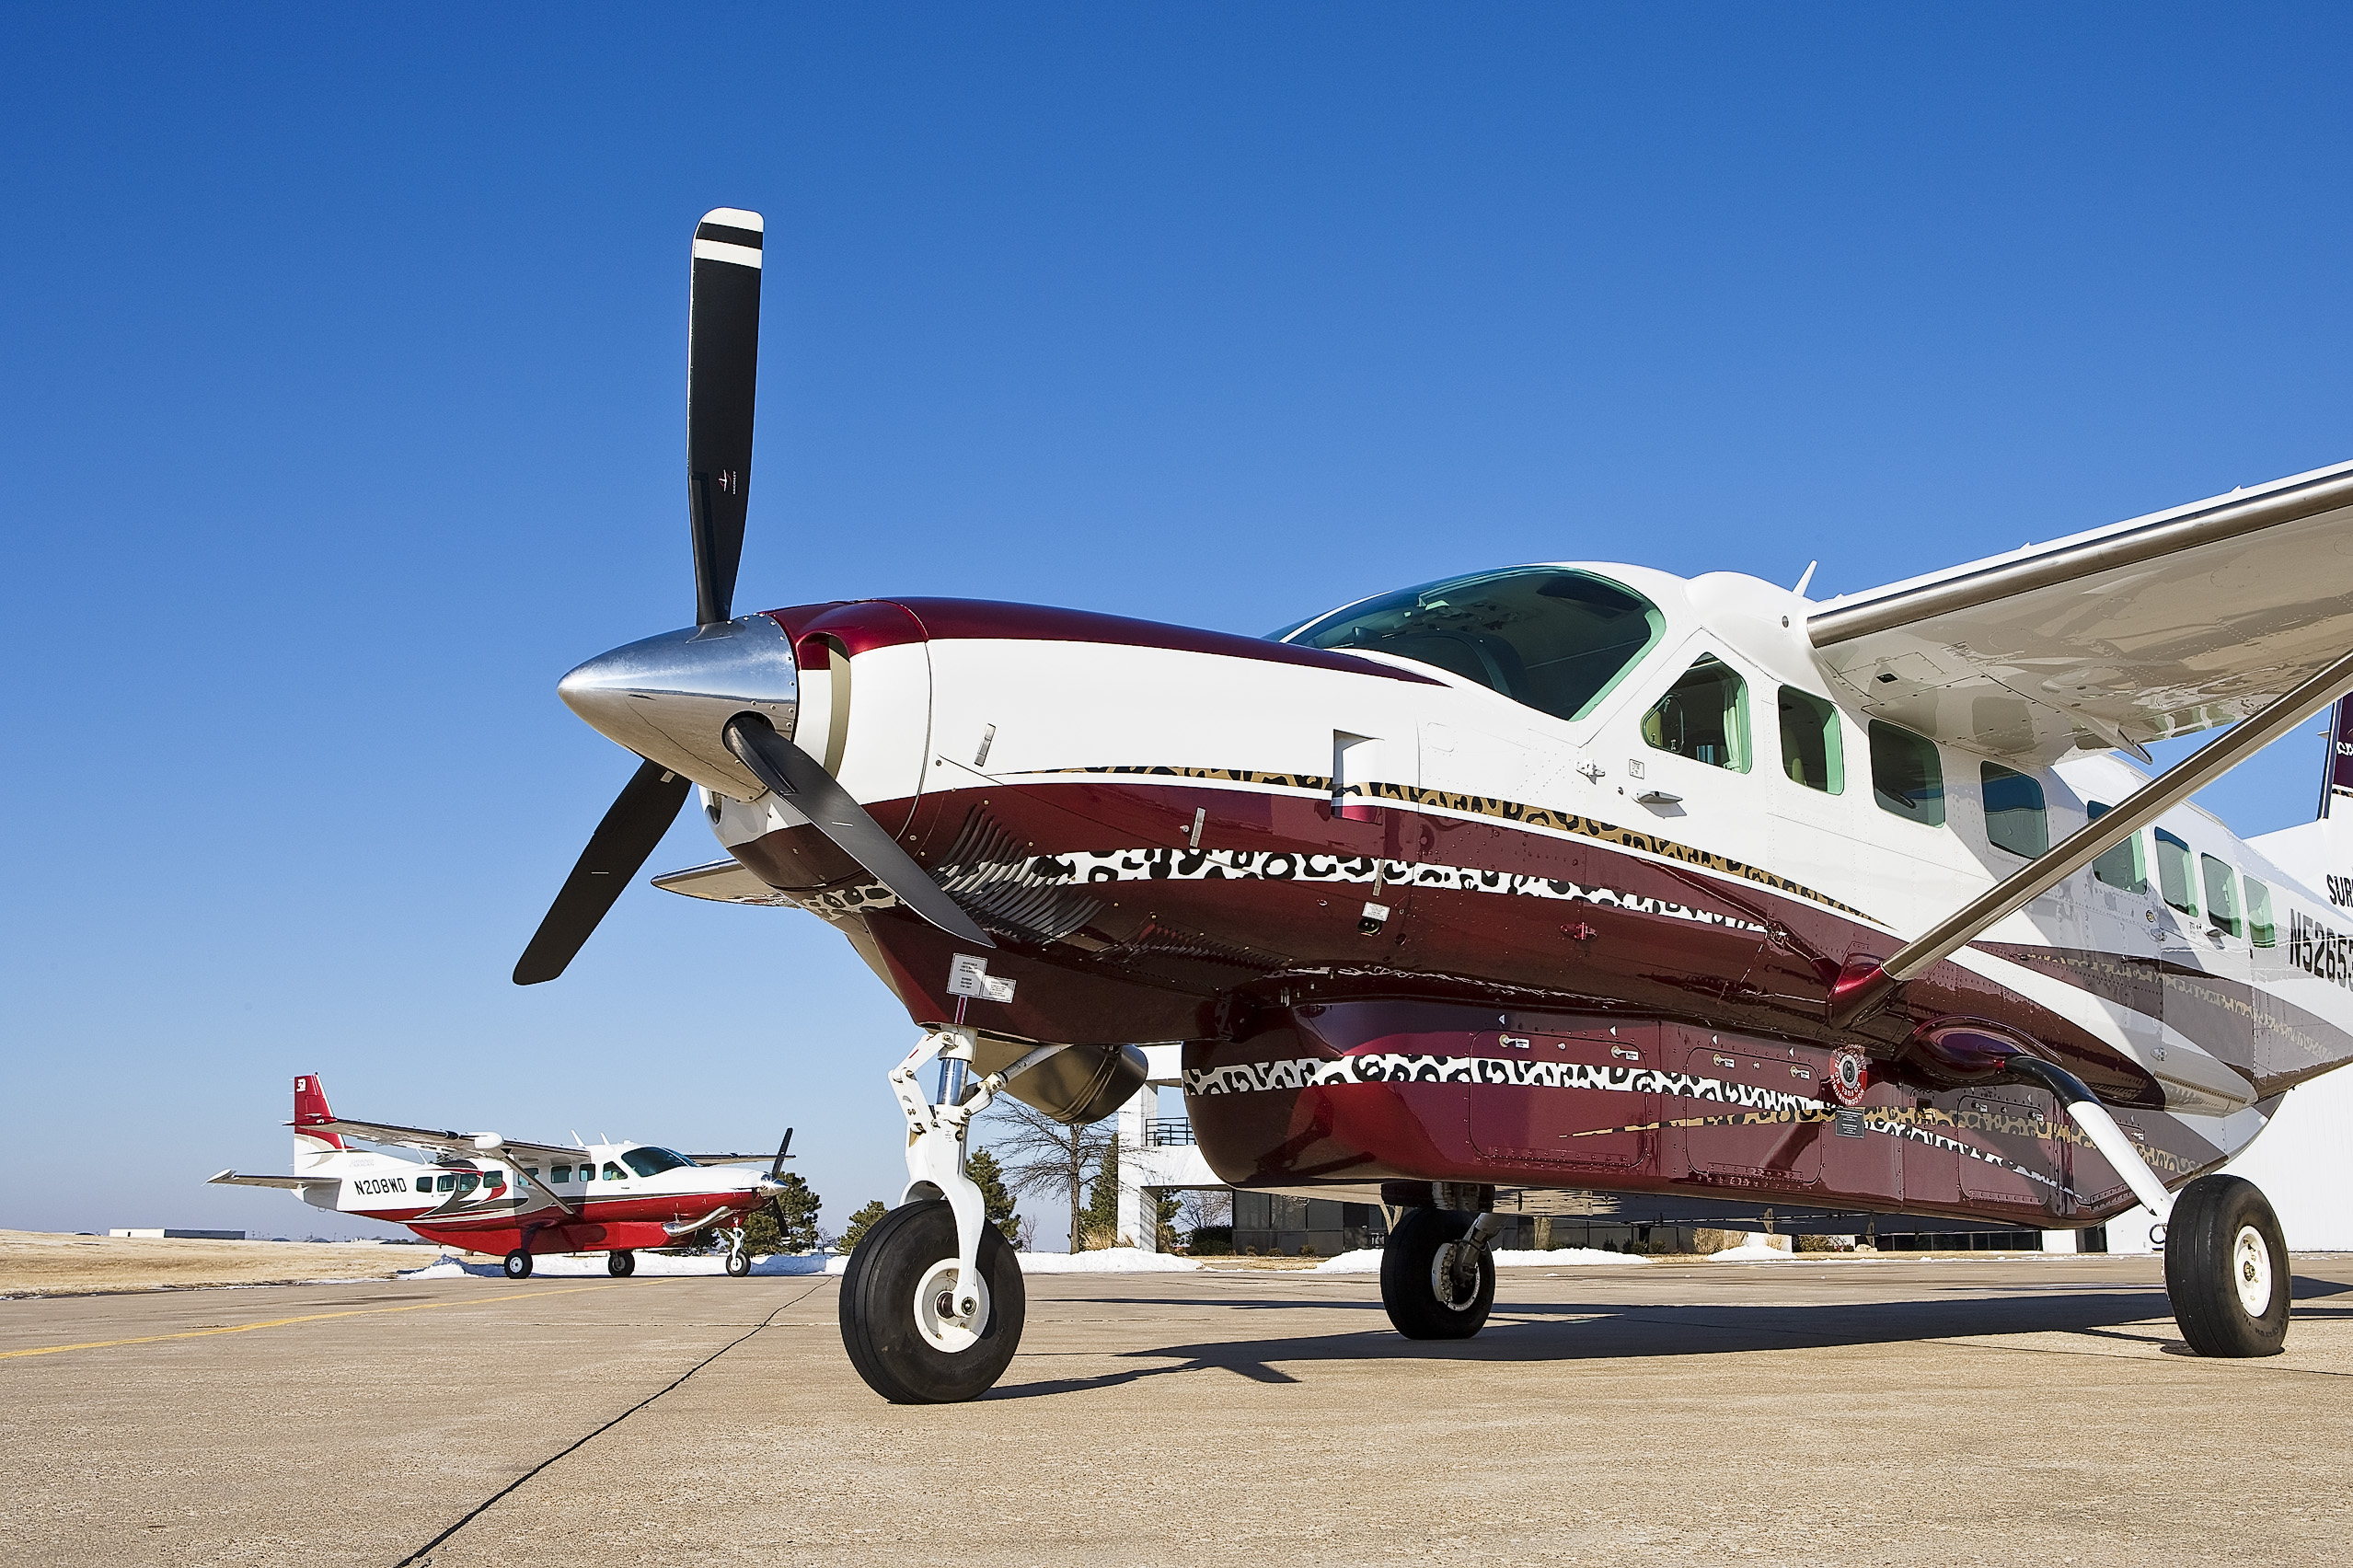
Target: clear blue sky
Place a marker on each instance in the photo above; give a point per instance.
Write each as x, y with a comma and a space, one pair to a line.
342, 413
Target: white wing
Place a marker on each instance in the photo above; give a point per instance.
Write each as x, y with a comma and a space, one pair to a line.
2161, 626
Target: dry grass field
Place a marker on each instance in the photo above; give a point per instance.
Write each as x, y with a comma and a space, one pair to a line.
38, 1262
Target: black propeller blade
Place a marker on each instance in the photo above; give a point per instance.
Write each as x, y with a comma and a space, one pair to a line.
640, 817
722, 370
801, 778
776, 1169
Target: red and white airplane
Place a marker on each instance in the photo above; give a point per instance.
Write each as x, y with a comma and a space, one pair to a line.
1576, 874
485, 1193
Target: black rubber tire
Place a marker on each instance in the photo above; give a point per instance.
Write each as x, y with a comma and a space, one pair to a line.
2203, 1263
738, 1264
1408, 1293
620, 1265
518, 1264
878, 1308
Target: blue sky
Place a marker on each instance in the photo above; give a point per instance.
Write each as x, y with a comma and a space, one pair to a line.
344, 363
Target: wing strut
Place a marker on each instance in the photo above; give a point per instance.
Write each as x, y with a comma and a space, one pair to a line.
1868, 982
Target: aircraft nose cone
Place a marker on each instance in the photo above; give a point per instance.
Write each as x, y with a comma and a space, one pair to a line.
668, 698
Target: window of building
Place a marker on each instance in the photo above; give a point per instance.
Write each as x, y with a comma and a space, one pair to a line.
1905, 776
1556, 641
1704, 716
2260, 929
652, 1161
2173, 872
2123, 865
1810, 751
612, 1171
2222, 896
446, 1184
2014, 819
560, 1173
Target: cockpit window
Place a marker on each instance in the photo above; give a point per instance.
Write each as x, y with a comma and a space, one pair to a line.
653, 1161
1555, 640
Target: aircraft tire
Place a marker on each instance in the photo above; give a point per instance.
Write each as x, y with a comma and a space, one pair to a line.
739, 1264
2226, 1269
906, 1352
620, 1265
518, 1264
1409, 1284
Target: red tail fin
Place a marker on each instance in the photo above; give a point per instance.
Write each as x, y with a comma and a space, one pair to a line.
310, 1111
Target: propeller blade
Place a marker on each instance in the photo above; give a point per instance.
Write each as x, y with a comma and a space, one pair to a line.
723, 366
801, 778
640, 817
776, 1169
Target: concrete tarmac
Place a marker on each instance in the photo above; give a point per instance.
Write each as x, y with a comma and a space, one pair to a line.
1836, 1411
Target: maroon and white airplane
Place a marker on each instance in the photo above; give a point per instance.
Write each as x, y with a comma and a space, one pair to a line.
1576, 874
484, 1194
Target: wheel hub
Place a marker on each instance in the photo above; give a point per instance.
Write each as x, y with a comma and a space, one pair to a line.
2251, 1271
935, 1317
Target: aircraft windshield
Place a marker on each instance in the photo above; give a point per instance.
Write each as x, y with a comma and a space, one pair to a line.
653, 1161
1552, 639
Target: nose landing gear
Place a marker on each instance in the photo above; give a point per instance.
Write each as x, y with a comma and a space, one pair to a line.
932, 1302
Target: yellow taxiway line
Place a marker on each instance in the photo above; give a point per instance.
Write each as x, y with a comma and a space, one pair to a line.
282, 1322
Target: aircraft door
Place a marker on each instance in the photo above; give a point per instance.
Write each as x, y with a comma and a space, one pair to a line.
1736, 1112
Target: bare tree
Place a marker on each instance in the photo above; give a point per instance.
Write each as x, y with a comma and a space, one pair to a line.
1042, 1157
1199, 1208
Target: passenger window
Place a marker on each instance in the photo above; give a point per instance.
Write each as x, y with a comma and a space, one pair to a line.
446, 1183
424, 1183
561, 1173
2222, 896
2260, 930
2173, 872
467, 1185
2122, 866
2014, 819
1905, 776
1704, 716
1810, 753
588, 1173
612, 1171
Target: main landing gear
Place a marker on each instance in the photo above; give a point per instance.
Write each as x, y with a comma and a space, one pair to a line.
932, 1302
1437, 1275
620, 1265
2226, 1269
517, 1265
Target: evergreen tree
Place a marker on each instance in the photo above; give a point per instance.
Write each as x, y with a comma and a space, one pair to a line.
859, 1224
989, 1177
1100, 1224
788, 1223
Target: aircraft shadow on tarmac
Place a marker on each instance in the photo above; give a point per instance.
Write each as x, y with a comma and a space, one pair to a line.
1565, 1332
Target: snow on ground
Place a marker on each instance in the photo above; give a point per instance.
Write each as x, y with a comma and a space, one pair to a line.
566, 1265
1367, 1259
1751, 1251
1109, 1260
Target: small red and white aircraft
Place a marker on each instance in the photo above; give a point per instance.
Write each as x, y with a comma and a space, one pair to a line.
1573, 875
486, 1194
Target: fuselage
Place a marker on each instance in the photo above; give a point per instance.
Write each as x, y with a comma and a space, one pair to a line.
611, 1196
1450, 901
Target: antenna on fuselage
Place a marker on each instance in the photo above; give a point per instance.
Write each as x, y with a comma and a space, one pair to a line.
1804, 577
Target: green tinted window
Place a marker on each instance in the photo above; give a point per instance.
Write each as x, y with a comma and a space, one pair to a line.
1556, 641
2260, 929
446, 1184
1905, 776
2173, 872
653, 1161
2122, 866
2222, 896
1810, 751
2014, 811
612, 1171
1704, 716
560, 1173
